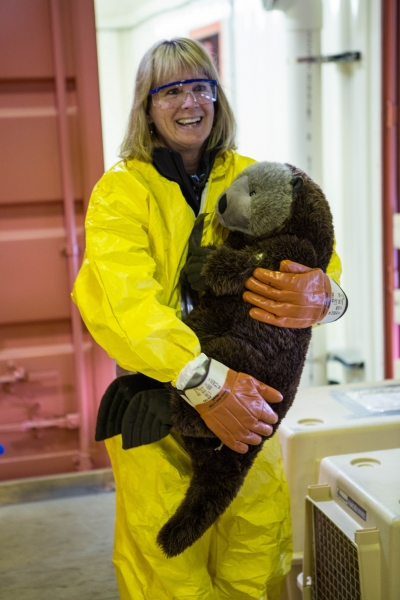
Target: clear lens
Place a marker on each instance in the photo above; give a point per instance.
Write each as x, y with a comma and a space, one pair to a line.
173, 96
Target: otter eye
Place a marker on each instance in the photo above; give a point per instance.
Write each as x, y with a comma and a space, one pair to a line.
253, 193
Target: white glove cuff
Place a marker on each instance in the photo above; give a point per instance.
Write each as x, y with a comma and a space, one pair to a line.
189, 370
212, 382
338, 304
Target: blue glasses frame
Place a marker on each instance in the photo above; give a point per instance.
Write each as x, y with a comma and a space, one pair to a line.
161, 87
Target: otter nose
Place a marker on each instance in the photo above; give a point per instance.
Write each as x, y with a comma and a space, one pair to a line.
222, 204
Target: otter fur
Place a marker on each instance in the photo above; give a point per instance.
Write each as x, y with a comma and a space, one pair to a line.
274, 212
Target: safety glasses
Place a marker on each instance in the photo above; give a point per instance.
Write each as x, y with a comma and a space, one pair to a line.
174, 95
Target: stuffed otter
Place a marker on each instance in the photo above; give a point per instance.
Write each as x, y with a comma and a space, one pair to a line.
274, 212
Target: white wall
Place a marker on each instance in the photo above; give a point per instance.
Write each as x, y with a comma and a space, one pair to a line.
260, 81
256, 66
352, 171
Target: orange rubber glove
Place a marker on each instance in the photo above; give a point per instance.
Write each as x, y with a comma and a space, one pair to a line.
295, 297
233, 405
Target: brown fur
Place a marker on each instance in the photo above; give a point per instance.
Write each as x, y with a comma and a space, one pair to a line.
227, 333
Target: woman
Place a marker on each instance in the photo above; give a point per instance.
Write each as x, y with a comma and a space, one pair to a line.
178, 157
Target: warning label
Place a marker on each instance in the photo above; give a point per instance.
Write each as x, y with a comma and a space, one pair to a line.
352, 504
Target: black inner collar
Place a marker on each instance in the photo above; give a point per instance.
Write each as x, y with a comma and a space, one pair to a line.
170, 165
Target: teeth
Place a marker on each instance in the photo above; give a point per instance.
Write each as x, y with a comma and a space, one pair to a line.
189, 121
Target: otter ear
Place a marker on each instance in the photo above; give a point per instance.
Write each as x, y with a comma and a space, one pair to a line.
297, 183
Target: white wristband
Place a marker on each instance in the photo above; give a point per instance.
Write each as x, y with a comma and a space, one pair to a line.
338, 304
214, 379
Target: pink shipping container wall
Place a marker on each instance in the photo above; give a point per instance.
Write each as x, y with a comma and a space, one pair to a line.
52, 374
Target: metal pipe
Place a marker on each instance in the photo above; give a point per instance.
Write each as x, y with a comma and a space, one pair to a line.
72, 250
390, 67
70, 421
303, 24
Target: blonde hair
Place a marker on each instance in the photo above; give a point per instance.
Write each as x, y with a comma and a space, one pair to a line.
161, 63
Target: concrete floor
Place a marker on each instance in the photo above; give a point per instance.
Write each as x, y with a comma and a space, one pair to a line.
57, 548
56, 539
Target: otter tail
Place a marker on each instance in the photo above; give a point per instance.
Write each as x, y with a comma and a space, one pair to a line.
217, 478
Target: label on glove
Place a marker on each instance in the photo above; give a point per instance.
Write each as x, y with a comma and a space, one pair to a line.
210, 386
338, 305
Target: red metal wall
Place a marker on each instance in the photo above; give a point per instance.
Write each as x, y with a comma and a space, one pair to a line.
51, 373
390, 173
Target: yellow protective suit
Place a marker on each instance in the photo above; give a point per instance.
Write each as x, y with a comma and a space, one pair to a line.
137, 229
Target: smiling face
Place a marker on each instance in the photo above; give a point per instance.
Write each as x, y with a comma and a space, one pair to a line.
183, 128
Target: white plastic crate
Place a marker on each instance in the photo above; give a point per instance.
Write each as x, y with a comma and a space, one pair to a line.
352, 543
329, 421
